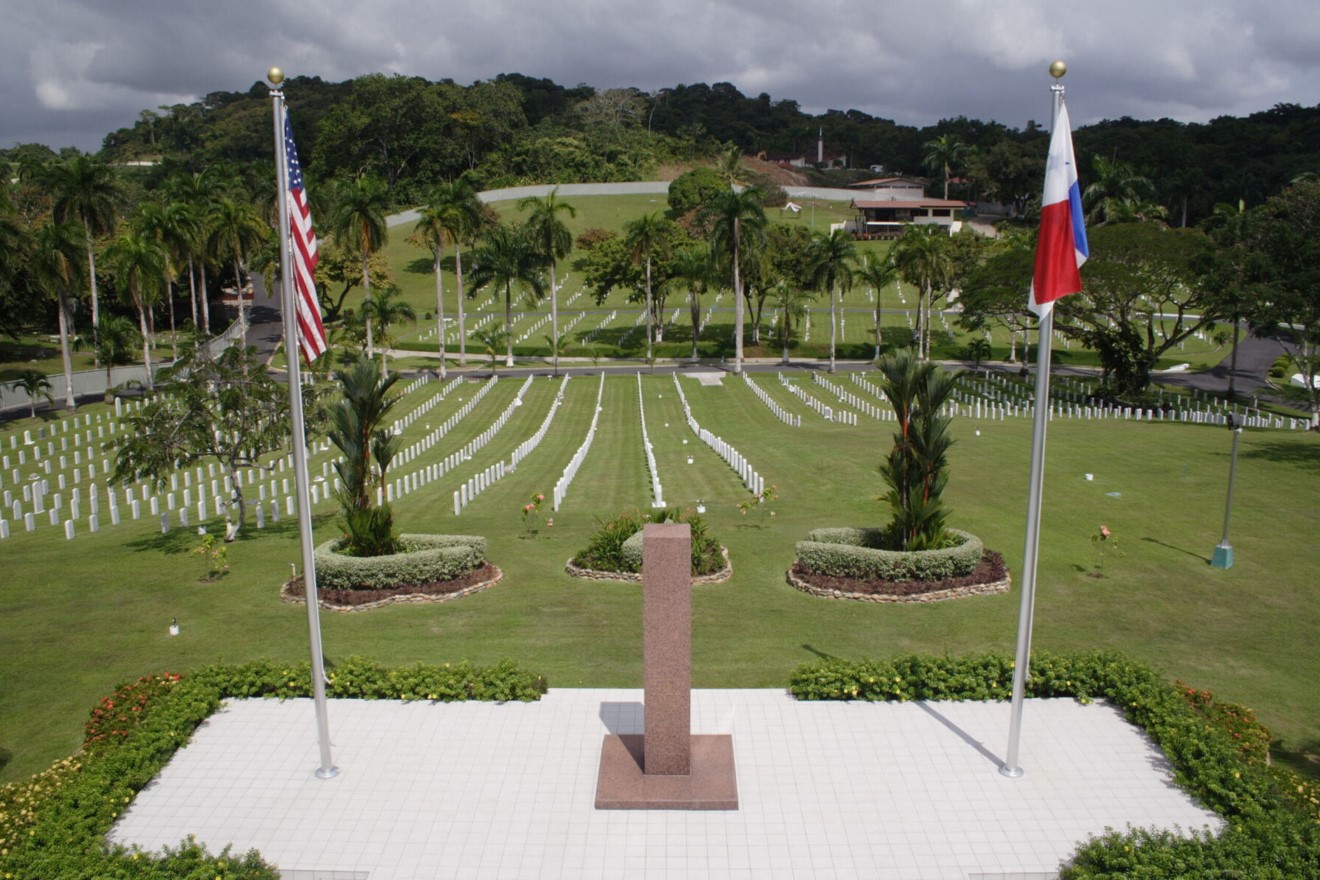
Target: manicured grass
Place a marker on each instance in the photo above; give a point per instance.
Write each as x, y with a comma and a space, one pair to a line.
41, 353
82, 616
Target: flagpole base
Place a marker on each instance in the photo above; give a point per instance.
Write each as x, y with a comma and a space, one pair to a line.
1010, 772
327, 772
1223, 556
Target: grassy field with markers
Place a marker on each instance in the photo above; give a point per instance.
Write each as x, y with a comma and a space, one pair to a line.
82, 615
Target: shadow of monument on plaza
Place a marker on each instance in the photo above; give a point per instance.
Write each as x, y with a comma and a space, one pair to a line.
621, 718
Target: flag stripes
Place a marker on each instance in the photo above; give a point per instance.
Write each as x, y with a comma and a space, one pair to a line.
311, 332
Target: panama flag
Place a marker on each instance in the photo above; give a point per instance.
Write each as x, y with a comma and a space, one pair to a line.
1061, 247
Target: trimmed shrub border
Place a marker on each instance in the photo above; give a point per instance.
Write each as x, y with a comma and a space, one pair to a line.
940, 595
631, 577
292, 593
850, 552
430, 558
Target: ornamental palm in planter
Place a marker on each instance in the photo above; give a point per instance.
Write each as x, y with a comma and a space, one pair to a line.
368, 448
916, 554
915, 469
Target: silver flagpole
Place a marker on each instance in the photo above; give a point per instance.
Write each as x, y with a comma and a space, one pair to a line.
1022, 656
291, 354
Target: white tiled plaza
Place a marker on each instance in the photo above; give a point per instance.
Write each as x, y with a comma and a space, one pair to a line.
827, 790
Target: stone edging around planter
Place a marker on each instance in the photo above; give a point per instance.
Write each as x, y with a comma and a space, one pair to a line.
402, 598
933, 596
718, 577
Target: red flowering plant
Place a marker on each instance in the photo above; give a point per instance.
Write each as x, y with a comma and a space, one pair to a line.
1250, 736
1105, 543
531, 514
113, 719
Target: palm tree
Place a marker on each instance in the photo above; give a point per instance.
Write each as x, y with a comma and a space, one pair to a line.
791, 301
922, 258
831, 258
236, 229
454, 211
358, 224
730, 168
491, 339
431, 231
508, 257
115, 339
201, 191
877, 274
458, 216
693, 267
1117, 193
139, 266
945, 153
916, 467
35, 384
357, 430
85, 191
55, 264
553, 242
177, 227
737, 216
384, 307
646, 239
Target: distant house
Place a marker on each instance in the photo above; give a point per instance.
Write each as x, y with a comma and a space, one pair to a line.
886, 218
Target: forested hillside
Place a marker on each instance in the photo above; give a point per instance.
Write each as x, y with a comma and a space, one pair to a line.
513, 129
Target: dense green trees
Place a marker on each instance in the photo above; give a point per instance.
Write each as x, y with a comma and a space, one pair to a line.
1282, 266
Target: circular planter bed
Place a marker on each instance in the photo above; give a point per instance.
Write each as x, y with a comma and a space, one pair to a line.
990, 576
717, 577
473, 581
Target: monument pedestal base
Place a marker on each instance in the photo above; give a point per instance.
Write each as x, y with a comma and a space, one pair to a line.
623, 784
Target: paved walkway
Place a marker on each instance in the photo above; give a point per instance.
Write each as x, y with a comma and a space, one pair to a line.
827, 790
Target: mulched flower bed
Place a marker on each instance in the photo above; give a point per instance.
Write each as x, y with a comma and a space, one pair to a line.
484, 575
990, 570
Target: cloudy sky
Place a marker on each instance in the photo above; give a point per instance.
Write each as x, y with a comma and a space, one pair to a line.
73, 70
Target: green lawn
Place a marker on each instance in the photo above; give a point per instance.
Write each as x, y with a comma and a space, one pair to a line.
83, 616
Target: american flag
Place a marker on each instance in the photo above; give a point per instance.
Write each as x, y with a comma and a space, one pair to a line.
311, 332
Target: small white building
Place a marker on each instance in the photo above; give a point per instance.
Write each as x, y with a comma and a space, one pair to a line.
886, 218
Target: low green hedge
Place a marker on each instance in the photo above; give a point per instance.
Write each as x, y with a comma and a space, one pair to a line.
854, 553
616, 545
54, 824
1272, 826
426, 559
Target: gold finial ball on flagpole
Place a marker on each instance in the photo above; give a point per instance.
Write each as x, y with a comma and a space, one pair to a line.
276, 76
1058, 69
